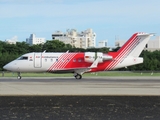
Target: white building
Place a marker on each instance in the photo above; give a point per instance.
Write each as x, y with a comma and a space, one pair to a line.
154, 44
32, 40
84, 39
103, 43
13, 40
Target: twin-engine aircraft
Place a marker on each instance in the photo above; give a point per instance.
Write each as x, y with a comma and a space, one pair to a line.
79, 63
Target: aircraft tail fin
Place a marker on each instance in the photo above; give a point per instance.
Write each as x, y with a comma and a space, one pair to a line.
129, 53
135, 45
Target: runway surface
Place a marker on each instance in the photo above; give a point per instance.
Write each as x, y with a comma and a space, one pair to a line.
86, 86
79, 108
111, 98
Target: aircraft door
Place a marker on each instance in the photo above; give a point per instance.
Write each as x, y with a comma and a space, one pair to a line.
37, 60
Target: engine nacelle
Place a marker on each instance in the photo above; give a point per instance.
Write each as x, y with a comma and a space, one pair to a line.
92, 56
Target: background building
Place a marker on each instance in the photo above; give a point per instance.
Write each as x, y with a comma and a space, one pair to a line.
84, 39
103, 43
153, 45
32, 40
13, 40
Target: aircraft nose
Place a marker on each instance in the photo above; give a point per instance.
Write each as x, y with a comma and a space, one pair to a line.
9, 66
12, 66
6, 67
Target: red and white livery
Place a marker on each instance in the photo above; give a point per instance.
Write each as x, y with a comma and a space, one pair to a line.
79, 63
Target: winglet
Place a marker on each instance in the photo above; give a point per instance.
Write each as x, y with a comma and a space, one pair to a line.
44, 51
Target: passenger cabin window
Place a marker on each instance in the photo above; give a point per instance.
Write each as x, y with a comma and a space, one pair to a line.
68, 60
23, 58
79, 60
74, 60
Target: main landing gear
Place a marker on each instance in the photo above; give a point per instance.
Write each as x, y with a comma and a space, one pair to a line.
78, 76
19, 76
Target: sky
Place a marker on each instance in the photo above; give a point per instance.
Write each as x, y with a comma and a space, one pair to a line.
110, 19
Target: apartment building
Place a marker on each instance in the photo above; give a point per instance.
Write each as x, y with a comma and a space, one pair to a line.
83, 39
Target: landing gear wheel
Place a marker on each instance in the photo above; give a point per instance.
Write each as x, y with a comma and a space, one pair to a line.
78, 76
19, 76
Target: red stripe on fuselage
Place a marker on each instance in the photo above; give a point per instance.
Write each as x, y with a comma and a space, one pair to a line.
62, 61
56, 62
69, 61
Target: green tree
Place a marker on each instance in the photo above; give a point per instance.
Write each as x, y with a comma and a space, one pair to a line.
23, 47
36, 48
54, 46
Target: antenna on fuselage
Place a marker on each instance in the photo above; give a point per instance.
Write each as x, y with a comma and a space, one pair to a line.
67, 51
44, 51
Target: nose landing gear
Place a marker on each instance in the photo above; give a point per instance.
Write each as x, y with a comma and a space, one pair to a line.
19, 76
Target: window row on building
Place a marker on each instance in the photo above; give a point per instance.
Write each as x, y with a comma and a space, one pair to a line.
83, 39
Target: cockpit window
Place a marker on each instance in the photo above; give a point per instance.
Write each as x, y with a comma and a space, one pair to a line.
23, 58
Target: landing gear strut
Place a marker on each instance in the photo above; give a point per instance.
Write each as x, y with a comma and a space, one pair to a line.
19, 75
78, 76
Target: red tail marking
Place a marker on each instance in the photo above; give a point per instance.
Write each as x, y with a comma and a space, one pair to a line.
123, 51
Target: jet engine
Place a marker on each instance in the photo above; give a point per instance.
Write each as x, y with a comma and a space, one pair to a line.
92, 56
